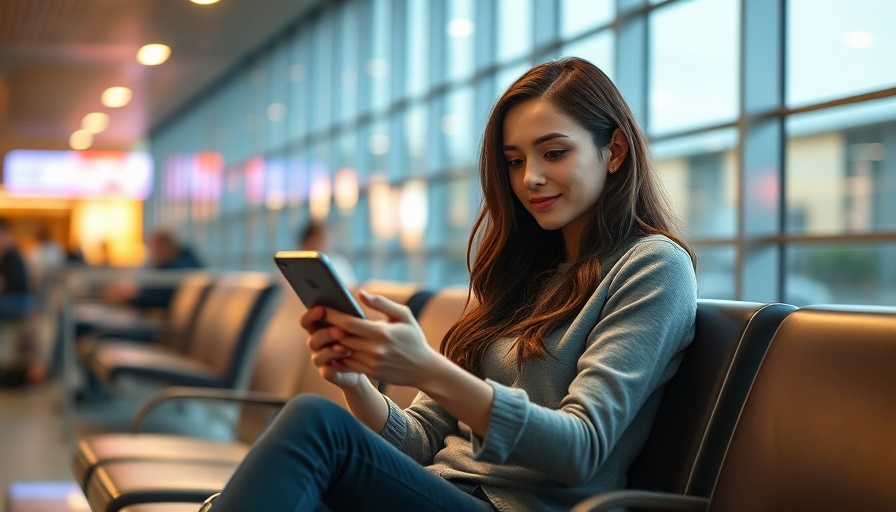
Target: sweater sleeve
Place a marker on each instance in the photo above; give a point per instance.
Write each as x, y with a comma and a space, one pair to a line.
632, 340
420, 430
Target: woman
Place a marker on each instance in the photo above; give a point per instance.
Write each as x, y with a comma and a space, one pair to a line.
544, 392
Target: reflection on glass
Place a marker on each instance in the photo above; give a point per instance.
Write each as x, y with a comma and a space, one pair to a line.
699, 174
839, 48
841, 274
841, 174
514, 28
579, 16
693, 64
460, 44
715, 272
597, 49
383, 208
345, 190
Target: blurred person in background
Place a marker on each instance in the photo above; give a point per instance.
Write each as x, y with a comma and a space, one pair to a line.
166, 252
314, 238
16, 299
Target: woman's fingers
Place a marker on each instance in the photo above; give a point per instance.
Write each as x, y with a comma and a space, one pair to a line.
312, 319
393, 310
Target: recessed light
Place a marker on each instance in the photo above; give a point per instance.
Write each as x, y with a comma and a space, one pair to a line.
95, 122
115, 97
153, 54
204, 2
80, 140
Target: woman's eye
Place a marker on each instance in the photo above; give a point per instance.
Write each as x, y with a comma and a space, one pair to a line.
554, 154
514, 162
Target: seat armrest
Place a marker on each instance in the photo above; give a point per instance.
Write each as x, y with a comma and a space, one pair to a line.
642, 500
209, 394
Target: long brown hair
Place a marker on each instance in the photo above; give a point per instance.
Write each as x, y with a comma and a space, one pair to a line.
514, 276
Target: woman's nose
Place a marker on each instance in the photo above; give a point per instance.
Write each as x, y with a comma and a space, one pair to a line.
534, 176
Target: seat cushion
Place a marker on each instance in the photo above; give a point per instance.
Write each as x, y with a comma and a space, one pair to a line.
103, 448
162, 507
118, 484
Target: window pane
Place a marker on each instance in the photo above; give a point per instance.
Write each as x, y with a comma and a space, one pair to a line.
454, 127
578, 16
841, 273
838, 48
715, 272
347, 105
378, 67
598, 49
699, 174
461, 31
514, 28
693, 64
418, 30
841, 174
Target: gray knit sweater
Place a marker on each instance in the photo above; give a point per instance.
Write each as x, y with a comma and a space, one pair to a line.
568, 426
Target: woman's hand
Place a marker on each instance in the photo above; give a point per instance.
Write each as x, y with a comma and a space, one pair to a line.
327, 354
393, 351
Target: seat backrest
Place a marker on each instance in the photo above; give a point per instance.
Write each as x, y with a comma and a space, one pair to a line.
701, 402
442, 310
282, 357
818, 430
230, 324
184, 309
395, 291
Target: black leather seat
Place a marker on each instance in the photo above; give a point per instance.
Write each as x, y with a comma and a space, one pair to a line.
817, 430
701, 402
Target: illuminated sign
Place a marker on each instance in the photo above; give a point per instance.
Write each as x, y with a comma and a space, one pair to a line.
77, 174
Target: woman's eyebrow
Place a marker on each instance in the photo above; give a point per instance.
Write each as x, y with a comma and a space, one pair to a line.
539, 140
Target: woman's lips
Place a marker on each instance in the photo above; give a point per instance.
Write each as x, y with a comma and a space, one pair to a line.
544, 202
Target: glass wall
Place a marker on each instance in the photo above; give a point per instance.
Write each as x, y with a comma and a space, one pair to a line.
773, 127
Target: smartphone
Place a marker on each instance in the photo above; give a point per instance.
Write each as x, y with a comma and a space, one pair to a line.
312, 277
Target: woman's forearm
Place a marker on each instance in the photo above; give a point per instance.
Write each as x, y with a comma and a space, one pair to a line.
367, 404
465, 396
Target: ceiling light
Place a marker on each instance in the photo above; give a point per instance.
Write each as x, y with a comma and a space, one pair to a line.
153, 54
204, 2
95, 122
81, 139
115, 97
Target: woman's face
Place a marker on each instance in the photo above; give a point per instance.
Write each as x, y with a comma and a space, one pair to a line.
555, 168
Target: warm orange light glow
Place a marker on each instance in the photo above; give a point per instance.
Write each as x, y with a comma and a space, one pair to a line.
413, 213
345, 190
115, 97
204, 2
113, 226
383, 208
320, 196
153, 54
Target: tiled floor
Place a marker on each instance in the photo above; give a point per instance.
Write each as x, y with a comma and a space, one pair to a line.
34, 446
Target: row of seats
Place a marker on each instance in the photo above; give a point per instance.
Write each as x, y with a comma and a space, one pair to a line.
782, 435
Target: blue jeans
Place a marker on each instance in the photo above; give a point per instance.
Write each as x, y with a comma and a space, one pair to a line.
316, 453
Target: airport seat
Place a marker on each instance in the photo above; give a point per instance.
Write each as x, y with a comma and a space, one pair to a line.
221, 347
173, 333
122, 469
816, 431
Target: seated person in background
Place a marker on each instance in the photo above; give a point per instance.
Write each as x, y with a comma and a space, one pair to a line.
314, 238
546, 388
16, 299
165, 253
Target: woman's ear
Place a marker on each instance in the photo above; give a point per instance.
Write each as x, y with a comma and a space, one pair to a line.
618, 150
